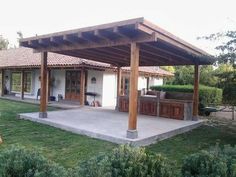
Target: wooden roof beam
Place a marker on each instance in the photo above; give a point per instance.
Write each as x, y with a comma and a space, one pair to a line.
89, 44
89, 56
119, 32
88, 37
102, 54
56, 40
101, 35
169, 58
144, 29
166, 52
70, 39
108, 52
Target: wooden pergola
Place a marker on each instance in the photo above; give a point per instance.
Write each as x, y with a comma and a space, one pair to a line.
133, 43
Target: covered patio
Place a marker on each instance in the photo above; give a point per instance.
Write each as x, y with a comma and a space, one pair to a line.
133, 43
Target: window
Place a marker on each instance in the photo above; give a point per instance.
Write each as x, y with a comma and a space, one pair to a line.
28, 82
16, 82
125, 85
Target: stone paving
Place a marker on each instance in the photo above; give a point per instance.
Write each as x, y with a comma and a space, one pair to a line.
111, 125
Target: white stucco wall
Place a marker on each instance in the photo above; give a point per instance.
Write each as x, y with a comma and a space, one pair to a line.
58, 86
142, 83
109, 89
35, 82
155, 81
97, 87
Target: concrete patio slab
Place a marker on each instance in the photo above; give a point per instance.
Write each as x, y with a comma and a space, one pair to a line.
111, 125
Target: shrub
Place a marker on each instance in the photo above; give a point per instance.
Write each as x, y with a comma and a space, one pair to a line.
213, 163
126, 162
95, 167
207, 95
19, 162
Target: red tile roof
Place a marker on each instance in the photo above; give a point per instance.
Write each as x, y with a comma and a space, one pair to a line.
25, 58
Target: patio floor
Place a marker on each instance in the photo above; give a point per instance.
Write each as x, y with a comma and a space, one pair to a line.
111, 125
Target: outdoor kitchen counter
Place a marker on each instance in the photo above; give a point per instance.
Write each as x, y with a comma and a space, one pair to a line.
154, 106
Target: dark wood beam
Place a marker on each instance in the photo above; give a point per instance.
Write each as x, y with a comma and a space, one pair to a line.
2, 82
48, 84
196, 91
89, 44
118, 91
82, 87
101, 35
43, 89
22, 84
166, 53
90, 56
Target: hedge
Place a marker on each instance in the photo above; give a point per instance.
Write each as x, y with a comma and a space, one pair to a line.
207, 95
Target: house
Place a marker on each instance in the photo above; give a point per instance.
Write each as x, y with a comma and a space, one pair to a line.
64, 77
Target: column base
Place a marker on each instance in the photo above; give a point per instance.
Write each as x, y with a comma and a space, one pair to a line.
195, 118
132, 134
43, 114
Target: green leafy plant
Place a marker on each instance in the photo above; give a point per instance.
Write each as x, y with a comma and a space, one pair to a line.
216, 162
20, 162
126, 161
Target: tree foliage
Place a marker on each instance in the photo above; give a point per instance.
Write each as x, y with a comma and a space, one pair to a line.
184, 75
3, 43
226, 60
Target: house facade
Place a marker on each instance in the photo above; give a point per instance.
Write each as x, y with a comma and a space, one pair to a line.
21, 66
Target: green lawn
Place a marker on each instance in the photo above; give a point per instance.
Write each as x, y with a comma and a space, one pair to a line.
60, 146
67, 148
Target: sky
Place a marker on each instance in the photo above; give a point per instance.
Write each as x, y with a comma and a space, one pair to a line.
186, 19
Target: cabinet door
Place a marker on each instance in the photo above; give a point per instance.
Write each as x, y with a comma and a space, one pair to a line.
148, 108
177, 111
164, 110
123, 105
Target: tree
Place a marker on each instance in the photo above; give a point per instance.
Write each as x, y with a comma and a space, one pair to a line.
226, 59
3, 43
184, 75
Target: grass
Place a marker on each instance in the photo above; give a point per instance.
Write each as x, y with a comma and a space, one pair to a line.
60, 146
202, 138
67, 148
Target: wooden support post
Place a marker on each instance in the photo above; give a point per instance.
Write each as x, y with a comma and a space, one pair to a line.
233, 110
48, 84
196, 91
22, 84
43, 89
118, 91
3, 83
133, 91
82, 87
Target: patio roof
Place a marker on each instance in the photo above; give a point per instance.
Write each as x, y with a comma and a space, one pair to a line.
110, 43
23, 58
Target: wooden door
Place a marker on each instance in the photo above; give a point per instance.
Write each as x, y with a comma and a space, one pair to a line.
72, 85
